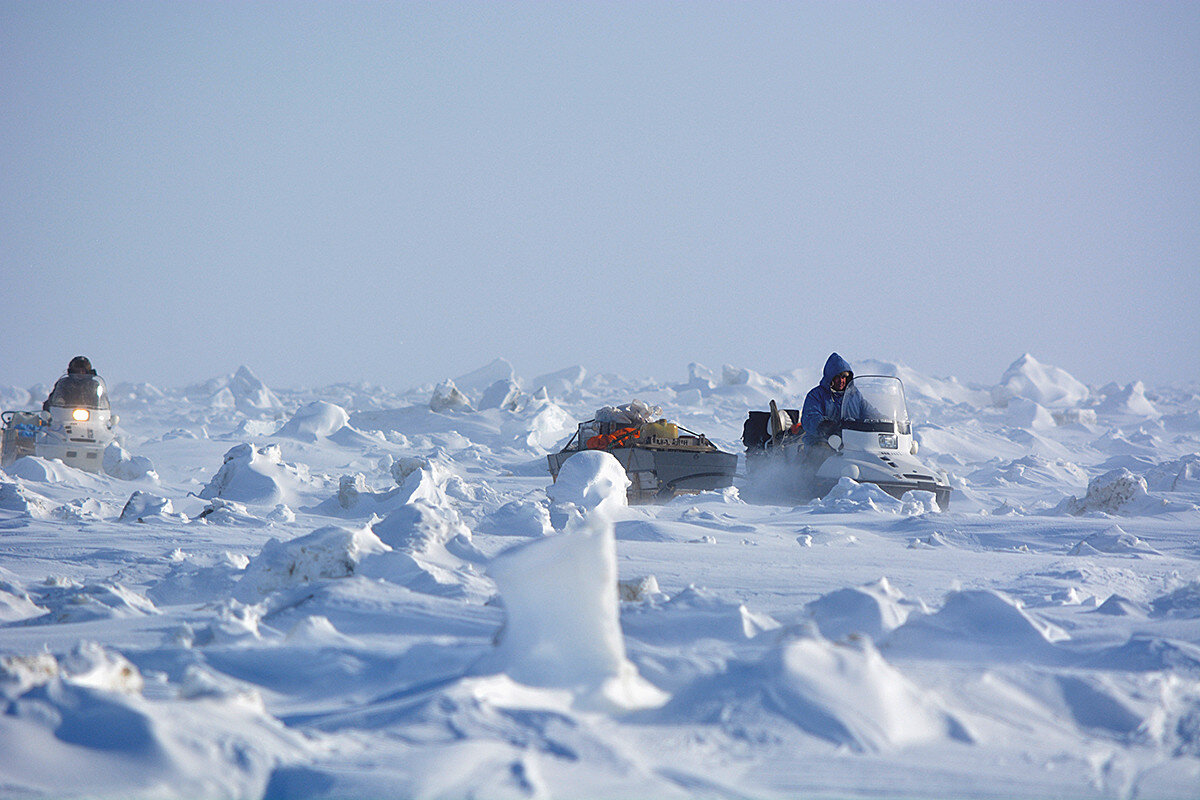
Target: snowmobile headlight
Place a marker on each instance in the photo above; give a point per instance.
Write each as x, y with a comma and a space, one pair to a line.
889, 441
80, 415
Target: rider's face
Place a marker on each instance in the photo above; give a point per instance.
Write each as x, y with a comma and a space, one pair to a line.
840, 381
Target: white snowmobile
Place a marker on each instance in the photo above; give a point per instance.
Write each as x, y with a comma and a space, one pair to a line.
871, 443
75, 427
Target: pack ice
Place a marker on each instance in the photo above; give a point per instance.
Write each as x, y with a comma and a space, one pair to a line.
353, 591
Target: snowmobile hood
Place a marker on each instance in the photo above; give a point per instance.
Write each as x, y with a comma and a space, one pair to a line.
834, 366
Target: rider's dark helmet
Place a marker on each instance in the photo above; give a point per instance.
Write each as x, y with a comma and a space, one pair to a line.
80, 365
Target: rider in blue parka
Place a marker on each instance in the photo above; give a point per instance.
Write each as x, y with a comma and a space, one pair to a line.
824, 401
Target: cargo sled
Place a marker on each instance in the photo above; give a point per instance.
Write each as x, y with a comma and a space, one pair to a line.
871, 443
661, 458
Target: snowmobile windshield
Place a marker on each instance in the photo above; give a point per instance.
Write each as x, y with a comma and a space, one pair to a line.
875, 403
80, 391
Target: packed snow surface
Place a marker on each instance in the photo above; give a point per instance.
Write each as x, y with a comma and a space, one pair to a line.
351, 592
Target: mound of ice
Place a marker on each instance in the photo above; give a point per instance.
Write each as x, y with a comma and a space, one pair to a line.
68, 601
314, 421
1113, 540
1045, 385
16, 605
90, 664
1022, 413
147, 507
1182, 475
447, 397
701, 380
1129, 400
591, 481
1117, 491
250, 394
198, 579
85, 728
542, 426
872, 609
433, 551
1030, 470
120, 464
326, 553
504, 394
40, 470
16, 498
849, 497
419, 479
848, 694
561, 627
518, 518
560, 383
1147, 653
1120, 606
476, 381
979, 622
695, 614
1182, 603
255, 475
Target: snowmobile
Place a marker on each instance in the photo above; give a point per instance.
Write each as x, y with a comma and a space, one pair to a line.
661, 458
871, 443
75, 427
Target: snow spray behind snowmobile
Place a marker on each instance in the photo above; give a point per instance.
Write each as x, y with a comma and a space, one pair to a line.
872, 443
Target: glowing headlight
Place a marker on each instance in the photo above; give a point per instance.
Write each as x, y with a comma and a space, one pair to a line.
80, 415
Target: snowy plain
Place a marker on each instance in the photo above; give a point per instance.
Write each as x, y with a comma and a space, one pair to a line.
351, 592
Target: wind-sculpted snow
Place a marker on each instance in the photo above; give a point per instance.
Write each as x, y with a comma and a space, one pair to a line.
590, 481
978, 624
343, 592
1121, 492
329, 552
574, 641
120, 463
873, 610
256, 475
1041, 383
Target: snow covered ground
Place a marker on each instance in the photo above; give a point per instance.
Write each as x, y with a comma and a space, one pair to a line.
349, 592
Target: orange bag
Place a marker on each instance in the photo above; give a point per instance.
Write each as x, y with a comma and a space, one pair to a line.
618, 438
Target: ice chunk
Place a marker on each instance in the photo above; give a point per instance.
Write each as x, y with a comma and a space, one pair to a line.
447, 397
255, 475
146, 507
120, 464
90, 664
314, 421
560, 383
974, 623
1022, 413
1113, 540
872, 609
504, 394
1130, 400
1043, 384
329, 552
847, 693
1118, 491
561, 626
251, 395
518, 518
849, 496
498, 371
592, 481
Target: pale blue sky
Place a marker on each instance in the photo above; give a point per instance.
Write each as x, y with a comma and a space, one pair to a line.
401, 192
